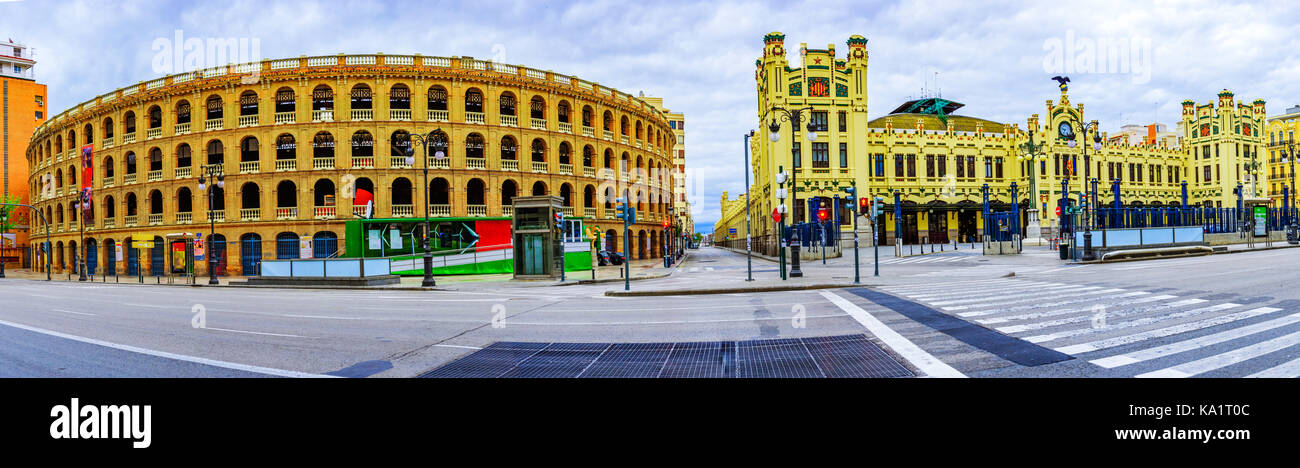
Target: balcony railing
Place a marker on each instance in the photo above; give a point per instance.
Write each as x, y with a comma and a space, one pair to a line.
538, 124
476, 210
182, 128
588, 132
623, 139
403, 211
323, 115
247, 121
566, 169
509, 165
155, 219
540, 166
218, 216
589, 171
322, 163
439, 163
363, 114
108, 143
213, 124
439, 116
442, 210
108, 181
128, 179
509, 120
358, 211
398, 162
589, 212
282, 165
568, 212
250, 214
128, 138
248, 167
155, 176
153, 133
363, 162
183, 172
399, 114
476, 163
73, 226
110, 223
286, 213
508, 211
325, 212
566, 127
184, 218
474, 117
609, 136
286, 117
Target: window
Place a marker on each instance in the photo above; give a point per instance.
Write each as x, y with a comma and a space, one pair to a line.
40, 101
898, 165
1056, 161
997, 165
40, 115
880, 165
1042, 168
844, 121
821, 155
970, 166
911, 166
942, 162
818, 121
844, 155
794, 151
929, 166
961, 168
988, 167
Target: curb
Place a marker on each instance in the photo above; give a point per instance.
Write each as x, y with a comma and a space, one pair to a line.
752, 289
1216, 252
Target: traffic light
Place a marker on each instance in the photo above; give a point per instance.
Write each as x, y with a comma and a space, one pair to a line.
626, 211
875, 210
851, 198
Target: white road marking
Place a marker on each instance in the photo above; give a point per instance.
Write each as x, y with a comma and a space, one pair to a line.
1162, 332
1194, 343
251, 332
164, 354
457, 346
1128, 324
924, 361
1035, 297
153, 306
1288, 370
72, 312
1219, 361
1084, 298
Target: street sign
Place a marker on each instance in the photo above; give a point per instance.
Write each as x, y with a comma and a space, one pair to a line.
142, 244
1058, 210
776, 215
732, 230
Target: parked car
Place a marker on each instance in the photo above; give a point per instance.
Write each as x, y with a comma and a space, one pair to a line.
606, 257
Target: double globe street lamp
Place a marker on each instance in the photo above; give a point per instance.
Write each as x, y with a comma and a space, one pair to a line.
1066, 131
213, 176
794, 116
425, 141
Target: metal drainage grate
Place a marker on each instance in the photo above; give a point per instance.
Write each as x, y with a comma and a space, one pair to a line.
829, 356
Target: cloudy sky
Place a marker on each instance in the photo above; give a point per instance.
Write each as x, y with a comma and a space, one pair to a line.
994, 56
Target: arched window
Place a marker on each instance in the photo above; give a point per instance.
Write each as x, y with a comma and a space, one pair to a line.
249, 149
623, 126
323, 193
402, 194
285, 100
218, 199
325, 244
566, 193
400, 143
361, 98
130, 162
609, 158
214, 108
507, 105
437, 98
286, 147
216, 152
363, 144
562, 111
473, 100
537, 108
108, 127
439, 192
474, 146
286, 196
565, 151
322, 146
399, 97
286, 246
609, 121
155, 117
475, 191
182, 112
248, 103
155, 202
155, 159
589, 196
110, 210
322, 98
108, 167
250, 196
88, 134
539, 188
539, 150
128, 127
439, 143
508, 192
508, 148
638, 130
184, 200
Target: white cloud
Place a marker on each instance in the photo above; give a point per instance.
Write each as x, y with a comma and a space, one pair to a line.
699, 55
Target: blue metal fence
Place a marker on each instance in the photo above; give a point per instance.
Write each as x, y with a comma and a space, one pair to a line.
1213, 219
1000, 226
815, 234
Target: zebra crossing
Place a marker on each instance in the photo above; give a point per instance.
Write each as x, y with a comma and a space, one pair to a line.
925, 259
1129, 332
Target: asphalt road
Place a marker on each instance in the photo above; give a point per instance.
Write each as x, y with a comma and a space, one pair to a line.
946, 314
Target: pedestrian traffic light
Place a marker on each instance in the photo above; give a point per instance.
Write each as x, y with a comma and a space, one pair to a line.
851, 198
623, 210
822, 214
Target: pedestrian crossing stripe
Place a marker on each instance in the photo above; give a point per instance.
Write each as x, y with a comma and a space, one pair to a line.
1031, 295
1194, 343
903, 260
1129, 324
1077, 310
1085, 297
1163, 332
1290, 369
1219, 361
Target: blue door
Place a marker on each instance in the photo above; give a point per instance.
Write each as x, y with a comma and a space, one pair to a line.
110, 264
156, 264
132, 260
325, 245
286, 247
218, 260
92, 257
250, 258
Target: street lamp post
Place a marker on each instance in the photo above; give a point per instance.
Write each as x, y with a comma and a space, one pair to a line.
82, 201
749, 256
1067, 133
425, 140
780, 211
1033, 154
212, 174
1290, 146
794, 116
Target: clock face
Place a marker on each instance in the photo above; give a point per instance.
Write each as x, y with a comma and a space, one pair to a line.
1066, 130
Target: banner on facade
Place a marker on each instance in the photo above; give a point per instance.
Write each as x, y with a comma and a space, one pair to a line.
87, 176
304, 247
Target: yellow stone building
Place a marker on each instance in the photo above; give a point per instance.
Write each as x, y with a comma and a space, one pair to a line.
937, 163
1281, 138
681, 206
297, 138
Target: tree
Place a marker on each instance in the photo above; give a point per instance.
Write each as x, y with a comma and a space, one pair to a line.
9, 216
